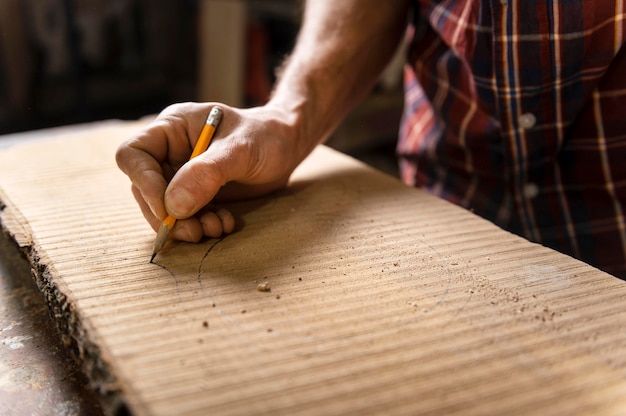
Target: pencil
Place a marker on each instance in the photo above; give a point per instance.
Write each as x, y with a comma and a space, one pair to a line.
206, 135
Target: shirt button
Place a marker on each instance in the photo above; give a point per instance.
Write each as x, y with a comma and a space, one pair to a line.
527, 121
530, 190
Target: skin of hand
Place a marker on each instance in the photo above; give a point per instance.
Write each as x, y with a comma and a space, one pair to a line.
341, 50
251, 154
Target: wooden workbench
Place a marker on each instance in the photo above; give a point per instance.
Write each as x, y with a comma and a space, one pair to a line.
38, 376
383, 299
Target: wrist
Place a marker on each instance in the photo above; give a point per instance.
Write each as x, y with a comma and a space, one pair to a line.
294, 113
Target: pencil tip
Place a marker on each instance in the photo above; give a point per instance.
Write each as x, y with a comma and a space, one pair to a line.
153, 256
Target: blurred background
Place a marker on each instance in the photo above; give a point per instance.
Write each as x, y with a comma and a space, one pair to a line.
77, 61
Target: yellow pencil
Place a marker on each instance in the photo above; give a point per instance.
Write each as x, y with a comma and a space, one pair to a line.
201, 145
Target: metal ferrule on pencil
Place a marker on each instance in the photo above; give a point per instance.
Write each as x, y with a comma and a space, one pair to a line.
214, 117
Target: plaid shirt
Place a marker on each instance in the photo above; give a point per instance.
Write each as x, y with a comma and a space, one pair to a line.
520, 115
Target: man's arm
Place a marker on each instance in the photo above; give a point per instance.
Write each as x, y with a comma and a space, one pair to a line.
342, 48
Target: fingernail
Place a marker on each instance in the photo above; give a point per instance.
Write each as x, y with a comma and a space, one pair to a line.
180, 203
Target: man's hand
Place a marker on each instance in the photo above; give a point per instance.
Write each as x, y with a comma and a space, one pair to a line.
252, 153
341, 50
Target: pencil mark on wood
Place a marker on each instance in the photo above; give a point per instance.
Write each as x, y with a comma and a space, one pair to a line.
199, 274
216, 242
173, 277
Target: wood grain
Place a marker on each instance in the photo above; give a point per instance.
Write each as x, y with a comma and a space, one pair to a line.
383, 300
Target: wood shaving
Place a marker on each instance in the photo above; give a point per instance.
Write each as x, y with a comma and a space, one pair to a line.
264, 287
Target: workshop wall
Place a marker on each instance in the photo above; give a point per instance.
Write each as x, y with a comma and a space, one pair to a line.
71, 61
68, 61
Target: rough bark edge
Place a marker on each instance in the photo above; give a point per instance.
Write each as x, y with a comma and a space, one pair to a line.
70, 328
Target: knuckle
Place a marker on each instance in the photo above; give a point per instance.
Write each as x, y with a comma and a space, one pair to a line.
121, 156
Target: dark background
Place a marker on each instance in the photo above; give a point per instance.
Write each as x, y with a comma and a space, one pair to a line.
70, 61
75, 61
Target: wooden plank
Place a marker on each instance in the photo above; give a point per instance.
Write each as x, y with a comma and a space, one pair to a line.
384, 300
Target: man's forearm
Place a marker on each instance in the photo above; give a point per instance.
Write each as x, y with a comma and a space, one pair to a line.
341, 51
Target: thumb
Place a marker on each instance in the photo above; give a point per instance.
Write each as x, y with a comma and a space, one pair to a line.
194, 186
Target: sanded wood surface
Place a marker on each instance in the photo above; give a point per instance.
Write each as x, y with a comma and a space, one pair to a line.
382, 300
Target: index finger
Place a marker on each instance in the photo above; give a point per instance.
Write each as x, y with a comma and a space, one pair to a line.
151, 158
